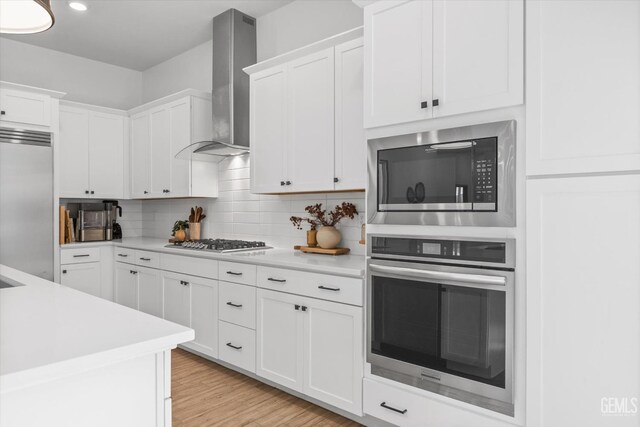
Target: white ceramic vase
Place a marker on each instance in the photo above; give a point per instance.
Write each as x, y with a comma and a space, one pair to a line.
328, 237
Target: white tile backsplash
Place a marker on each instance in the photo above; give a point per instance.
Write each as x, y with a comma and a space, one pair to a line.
238, 214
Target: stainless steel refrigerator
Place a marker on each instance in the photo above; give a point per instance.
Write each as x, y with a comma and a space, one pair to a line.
26, 201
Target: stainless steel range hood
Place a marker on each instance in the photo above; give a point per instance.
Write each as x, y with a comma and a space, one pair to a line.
234, 48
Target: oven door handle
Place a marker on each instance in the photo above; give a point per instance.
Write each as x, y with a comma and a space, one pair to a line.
440, 275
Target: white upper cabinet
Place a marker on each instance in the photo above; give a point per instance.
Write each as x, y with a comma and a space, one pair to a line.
397, 62
18, 106
583, 91
427, 59
268, 118
350, 155
310, 148
306, 120
478, 49
159, 131
140, 155
92, 145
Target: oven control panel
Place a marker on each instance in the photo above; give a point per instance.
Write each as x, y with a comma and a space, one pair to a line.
486, 251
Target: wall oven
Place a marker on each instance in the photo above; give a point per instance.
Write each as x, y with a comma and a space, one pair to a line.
440, 316
460, 176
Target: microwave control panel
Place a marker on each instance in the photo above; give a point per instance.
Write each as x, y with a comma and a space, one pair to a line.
485, 176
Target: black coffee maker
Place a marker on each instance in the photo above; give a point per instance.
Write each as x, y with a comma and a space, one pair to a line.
116, 211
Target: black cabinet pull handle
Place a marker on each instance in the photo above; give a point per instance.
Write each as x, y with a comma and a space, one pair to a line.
235, 347
296, 307
123, 255
271, 279
326, 288
182, 282
145, 192
145, 259
81, 256
63, 271
304, 308
391, 408
424, 104
2, 113
133, 272
234, 305
234, 273
435, 102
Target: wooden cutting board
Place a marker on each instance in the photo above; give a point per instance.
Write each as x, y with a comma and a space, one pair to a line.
319, 250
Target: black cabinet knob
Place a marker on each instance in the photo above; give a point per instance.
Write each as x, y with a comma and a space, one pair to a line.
296, 307
146, 192
288, 182
335, 180
281, 182
2, 113
424, 104
435, 102
63, 271
86, 191
92, 192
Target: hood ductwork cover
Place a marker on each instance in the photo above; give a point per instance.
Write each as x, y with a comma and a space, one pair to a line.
234, 48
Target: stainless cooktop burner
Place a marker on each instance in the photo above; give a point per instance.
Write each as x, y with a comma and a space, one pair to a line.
220, 245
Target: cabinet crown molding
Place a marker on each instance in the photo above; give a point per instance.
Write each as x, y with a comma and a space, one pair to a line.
306, 50
169, 98
15, 86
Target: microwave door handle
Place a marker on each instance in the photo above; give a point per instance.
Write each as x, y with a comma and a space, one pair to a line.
441, 275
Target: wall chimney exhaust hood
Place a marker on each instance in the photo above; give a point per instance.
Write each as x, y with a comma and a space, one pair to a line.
234, 48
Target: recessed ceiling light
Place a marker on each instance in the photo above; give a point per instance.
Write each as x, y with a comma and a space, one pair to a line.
76, 5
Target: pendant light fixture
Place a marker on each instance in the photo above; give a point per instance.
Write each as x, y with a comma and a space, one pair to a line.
25, 16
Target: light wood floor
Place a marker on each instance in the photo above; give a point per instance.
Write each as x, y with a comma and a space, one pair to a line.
207, 394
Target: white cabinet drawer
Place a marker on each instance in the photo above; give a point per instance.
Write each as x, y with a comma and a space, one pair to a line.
393, 405
237, 345
147, 259
346, 290
187, 265
125, 255
80, 255
237, 273
237, 304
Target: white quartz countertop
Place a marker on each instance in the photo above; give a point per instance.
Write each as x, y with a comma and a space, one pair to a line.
343, 265
49, 331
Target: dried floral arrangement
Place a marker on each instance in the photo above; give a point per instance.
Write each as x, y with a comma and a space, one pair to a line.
318, 216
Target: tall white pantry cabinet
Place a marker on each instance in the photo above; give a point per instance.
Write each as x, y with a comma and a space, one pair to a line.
583, 213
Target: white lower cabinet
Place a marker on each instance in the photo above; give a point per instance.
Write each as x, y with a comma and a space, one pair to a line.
237, 345
83, 277
126, 285
311, 346
149, 291
193, 301
407, 409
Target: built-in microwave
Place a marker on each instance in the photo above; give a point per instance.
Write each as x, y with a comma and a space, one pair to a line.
460, 176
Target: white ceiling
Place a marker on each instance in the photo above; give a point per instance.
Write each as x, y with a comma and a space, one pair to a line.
137, 34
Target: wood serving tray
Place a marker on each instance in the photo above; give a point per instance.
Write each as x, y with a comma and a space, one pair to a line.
319, 250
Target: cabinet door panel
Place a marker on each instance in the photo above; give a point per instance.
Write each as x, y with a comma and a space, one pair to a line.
583, 91
106, 155
140, 155
74, 152
333, 354
160, 137
204, 314
150, 291
397, 76
350, 143
126, 285
478, 49
279, 331
180, 134
311, 122
583, 298
82, 277
25, 107
268, 130
177, 299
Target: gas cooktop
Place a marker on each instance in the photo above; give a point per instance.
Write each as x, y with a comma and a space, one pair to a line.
220, 245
